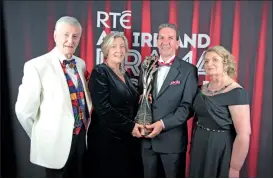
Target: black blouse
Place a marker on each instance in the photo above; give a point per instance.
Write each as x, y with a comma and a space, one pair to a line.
114, 102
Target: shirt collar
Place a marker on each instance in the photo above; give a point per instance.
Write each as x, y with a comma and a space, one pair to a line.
60, 56
169, 60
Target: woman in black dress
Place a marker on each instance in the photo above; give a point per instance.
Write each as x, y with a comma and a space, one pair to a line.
113, 136
221, 137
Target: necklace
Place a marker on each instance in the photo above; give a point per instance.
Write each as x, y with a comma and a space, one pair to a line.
211, 93
115, 70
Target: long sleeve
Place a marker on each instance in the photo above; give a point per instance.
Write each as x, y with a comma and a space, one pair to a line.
99, 89
28, 100
184, 111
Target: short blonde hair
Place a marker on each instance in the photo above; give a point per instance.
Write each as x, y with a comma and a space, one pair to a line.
228, 59
109, 40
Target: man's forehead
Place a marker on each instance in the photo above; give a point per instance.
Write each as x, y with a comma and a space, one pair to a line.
67, 27
69, 31
167, 31
166, 34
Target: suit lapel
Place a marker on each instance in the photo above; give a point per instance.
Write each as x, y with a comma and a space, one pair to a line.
154, 90
60, 74
173, 72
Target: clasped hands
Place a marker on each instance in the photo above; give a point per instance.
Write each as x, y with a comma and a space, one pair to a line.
154, 128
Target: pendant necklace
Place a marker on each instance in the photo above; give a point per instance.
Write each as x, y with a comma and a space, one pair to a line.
211, 93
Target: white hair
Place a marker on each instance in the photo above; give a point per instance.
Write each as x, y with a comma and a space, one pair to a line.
67, 20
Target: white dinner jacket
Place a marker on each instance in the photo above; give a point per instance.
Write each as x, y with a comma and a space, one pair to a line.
44, 109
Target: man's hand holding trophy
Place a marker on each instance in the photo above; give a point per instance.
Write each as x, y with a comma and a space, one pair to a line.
144, 114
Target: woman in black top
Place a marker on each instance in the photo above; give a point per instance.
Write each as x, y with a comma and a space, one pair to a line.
221, 137
113, 136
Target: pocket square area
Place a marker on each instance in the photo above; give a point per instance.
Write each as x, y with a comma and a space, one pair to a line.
176, 82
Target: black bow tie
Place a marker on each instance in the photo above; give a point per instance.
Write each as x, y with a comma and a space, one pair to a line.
70, 63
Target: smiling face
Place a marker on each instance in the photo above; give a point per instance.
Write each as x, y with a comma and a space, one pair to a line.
67, 38
117, 51
213, 64
167, 43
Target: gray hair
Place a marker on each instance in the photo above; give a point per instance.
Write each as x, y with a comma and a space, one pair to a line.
109, 40
173, 26
67, 20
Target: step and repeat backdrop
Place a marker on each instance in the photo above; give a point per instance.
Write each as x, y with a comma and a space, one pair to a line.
243, 27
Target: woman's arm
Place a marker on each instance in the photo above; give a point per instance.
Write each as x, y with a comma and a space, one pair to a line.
241, 119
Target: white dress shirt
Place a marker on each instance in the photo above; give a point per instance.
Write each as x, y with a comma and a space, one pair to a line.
70, 71
161, 76
162, 73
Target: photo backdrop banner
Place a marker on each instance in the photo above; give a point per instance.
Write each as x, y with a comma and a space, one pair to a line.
244, 28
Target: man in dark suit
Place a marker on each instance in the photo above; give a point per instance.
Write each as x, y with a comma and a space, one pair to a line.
174, 88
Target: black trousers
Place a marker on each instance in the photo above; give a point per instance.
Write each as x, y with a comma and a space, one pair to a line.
74, 167
163, 164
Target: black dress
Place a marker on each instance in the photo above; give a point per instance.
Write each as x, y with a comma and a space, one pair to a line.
211, 150
112, 150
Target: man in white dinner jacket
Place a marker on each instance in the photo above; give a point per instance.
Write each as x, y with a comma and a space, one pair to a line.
54, 104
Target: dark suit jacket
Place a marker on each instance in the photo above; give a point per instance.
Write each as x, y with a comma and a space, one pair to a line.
173, 105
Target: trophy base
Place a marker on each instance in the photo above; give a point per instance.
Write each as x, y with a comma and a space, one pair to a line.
145, 132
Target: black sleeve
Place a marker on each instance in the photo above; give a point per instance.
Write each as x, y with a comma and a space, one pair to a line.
239, 96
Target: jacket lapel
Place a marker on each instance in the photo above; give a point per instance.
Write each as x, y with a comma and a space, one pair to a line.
173, 72
154, 86
60, 74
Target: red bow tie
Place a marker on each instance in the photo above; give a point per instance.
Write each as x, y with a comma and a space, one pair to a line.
166, 64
